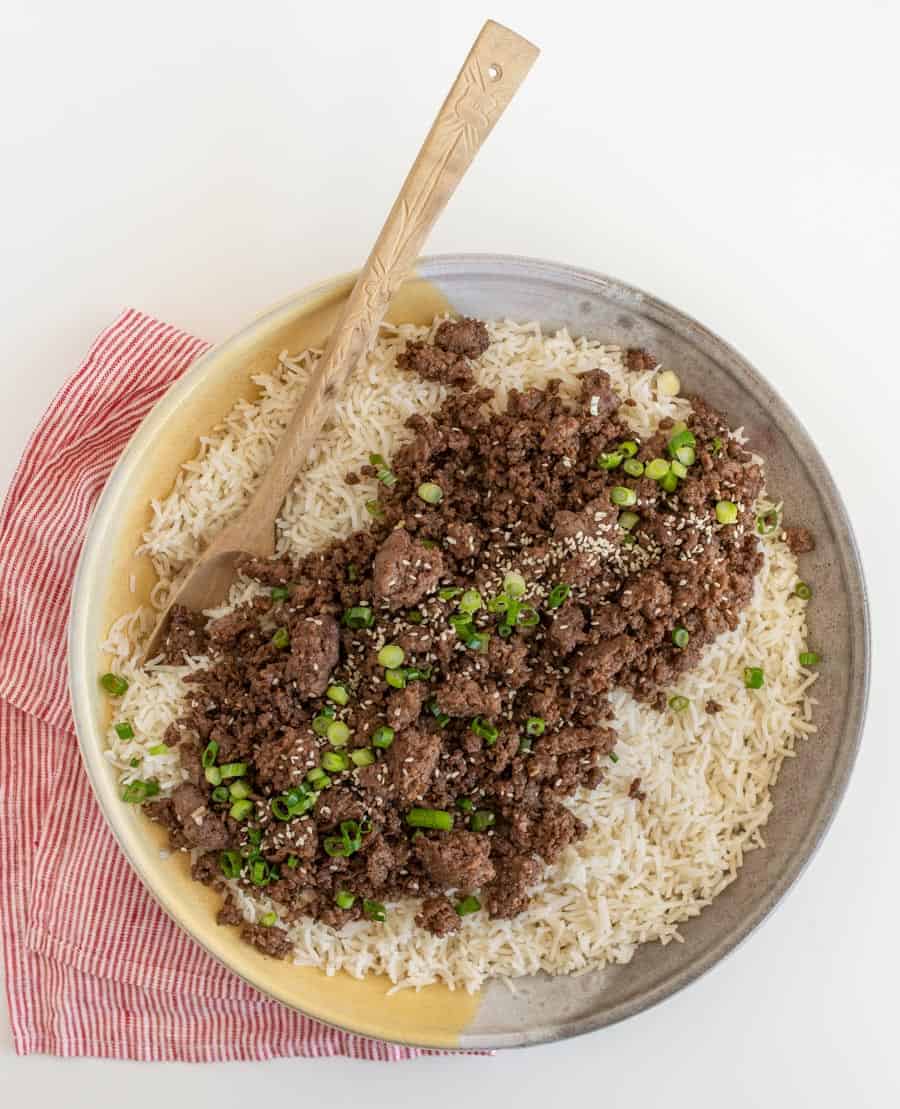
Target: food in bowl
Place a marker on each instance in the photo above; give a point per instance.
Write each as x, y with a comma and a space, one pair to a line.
514, 692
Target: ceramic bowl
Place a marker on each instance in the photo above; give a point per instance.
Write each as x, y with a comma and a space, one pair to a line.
809, 788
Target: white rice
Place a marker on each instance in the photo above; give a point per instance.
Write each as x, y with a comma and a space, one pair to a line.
642, 868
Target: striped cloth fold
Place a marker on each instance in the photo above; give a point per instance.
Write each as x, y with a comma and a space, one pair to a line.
93, 965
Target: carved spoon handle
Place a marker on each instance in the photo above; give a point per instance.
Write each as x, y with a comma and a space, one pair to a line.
497, 64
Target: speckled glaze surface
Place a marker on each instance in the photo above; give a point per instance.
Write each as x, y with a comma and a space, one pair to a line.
808, 791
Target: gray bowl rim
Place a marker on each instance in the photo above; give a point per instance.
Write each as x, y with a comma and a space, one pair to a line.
435, 266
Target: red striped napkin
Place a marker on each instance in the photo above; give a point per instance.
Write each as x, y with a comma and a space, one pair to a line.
93, 965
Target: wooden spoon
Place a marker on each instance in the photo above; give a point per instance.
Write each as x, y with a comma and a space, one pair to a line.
497, 64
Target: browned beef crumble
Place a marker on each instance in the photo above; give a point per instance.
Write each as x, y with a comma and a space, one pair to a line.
800, 540
523, 493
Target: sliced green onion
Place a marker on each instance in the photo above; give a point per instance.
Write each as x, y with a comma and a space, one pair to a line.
124, 730
628, 520
525, 745
239, 789
414, 674
465, 804
135, 793
414, 616
449, 593
514, 584
484, 730
210, 753
260, 872
767, 522
677, 468
396, 678
293, 862
280, 809
363, 756
803, 591
656, 469
114, 684
241, 809
438, 819
681, 637
500, 603
441, 718
482, 820
281, 639
135, 762
633, 467
220, 795
716, 445
254, 835
535, 725
338, 694
609, 460
468, 905
374, 910
280, 593
470, 601
687, 456
810, 658
623, 496
344, 899
318, 779
478, 641
754, 678
374, 510
338, 733
335, 761
383, 737
669, 482
430, 493
683, 438
629, 448
213, 775
352, 572
391, 656
726, 512
678, 703
268, 919
384, 474
359, 616
233, 770
558, 595
230, 863
613, 757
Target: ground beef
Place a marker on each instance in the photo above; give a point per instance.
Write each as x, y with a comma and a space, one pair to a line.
712, 707
412, 758
185, 635
464, 336
405, 571
438, 916
229, 913
639, 360
507, 895
459, 860
800, 540
272, 941
314, 652
435, 364
499, 710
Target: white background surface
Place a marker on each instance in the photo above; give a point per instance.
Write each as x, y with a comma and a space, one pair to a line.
202, 160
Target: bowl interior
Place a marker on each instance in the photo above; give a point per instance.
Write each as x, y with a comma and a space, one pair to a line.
808, 790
